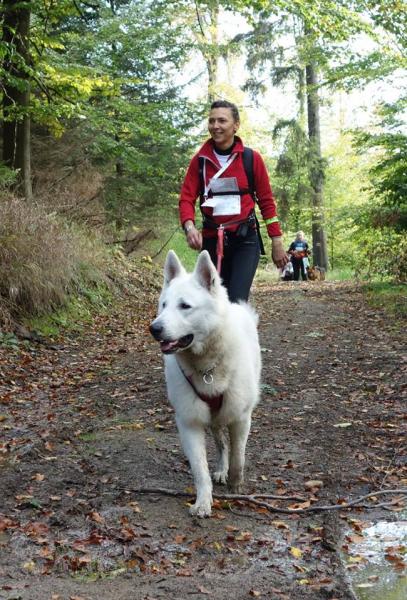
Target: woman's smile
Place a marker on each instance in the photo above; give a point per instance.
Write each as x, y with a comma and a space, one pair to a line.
222, 127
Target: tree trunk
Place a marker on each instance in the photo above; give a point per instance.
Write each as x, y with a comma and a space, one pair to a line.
316, 169
208, 43
212, 66
16, 125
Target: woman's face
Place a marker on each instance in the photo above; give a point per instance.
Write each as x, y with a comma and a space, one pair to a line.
222, 127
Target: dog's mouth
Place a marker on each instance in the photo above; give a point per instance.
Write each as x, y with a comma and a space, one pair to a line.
171, 346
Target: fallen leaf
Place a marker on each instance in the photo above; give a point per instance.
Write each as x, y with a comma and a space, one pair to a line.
203, 590
134, 506
95, 516
244, 536
280, 524
313, 483
29, 566
296, 552
184, 573
179, 539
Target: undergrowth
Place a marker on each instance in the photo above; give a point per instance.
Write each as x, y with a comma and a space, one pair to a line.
77, 312
44, 260
390, 297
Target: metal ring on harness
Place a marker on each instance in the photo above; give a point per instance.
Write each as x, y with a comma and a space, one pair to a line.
207, 378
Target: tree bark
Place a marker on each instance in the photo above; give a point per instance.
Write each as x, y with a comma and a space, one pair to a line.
316, 169
16, 99
212, 66
208, 43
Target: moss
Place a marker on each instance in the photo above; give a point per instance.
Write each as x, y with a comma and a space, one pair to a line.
77, 312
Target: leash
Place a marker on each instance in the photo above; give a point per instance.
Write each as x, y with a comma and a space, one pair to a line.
220, 243
219, 247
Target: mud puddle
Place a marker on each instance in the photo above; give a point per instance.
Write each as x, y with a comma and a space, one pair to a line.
376, 561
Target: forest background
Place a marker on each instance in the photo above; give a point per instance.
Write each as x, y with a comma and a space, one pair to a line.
105, 102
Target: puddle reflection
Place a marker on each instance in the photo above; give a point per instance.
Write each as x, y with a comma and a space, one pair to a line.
376, 561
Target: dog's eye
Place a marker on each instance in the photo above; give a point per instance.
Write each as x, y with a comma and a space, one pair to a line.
164, 304
184, 306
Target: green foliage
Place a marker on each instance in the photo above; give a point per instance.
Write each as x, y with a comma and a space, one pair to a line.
7, 177
291, 179
345, 197
57, 89
383, 222
383, 255
390, 297
340, 274
388, 173
136, 134
9, 340
77, 312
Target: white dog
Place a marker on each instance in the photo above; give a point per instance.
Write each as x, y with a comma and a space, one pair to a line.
212, 369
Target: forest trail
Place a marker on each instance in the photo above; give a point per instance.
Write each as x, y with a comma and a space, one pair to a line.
85, 423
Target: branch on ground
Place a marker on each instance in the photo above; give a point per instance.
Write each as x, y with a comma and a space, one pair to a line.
254, 499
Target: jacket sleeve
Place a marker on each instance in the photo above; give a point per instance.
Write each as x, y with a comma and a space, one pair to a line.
265, 197
189, 192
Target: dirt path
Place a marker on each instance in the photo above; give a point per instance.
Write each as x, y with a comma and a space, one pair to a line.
85, 423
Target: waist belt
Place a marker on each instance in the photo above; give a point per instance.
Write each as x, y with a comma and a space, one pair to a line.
251, 221
209, 223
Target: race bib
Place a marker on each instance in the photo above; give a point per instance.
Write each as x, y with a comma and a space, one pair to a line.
226, 205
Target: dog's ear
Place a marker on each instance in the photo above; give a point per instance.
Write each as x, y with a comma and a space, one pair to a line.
172, 268
205, 271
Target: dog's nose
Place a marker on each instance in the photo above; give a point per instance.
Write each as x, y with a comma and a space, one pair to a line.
156, 330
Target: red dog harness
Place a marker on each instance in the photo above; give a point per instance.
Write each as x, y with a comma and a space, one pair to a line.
214, 402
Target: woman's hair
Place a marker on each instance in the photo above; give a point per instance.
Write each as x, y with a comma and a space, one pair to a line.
299, 234
227, 104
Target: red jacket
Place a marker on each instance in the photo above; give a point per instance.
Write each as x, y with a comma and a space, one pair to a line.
190, 190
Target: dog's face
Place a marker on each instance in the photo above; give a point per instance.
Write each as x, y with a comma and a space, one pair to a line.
190, 304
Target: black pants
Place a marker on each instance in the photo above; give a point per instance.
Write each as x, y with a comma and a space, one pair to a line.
239, 263
298, 265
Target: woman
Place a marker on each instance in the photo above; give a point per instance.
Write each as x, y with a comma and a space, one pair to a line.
218, 177
299, 256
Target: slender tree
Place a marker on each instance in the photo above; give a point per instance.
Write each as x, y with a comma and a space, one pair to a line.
16, 92
316, 168
207, 36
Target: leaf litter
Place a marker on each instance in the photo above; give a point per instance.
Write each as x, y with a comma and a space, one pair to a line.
85, 423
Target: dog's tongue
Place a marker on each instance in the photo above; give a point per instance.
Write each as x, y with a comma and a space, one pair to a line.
167, 346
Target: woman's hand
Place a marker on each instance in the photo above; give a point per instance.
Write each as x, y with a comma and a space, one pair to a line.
194, 237
278, 254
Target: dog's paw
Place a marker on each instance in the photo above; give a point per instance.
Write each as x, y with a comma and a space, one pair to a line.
220, 477
235, 488
203, 509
